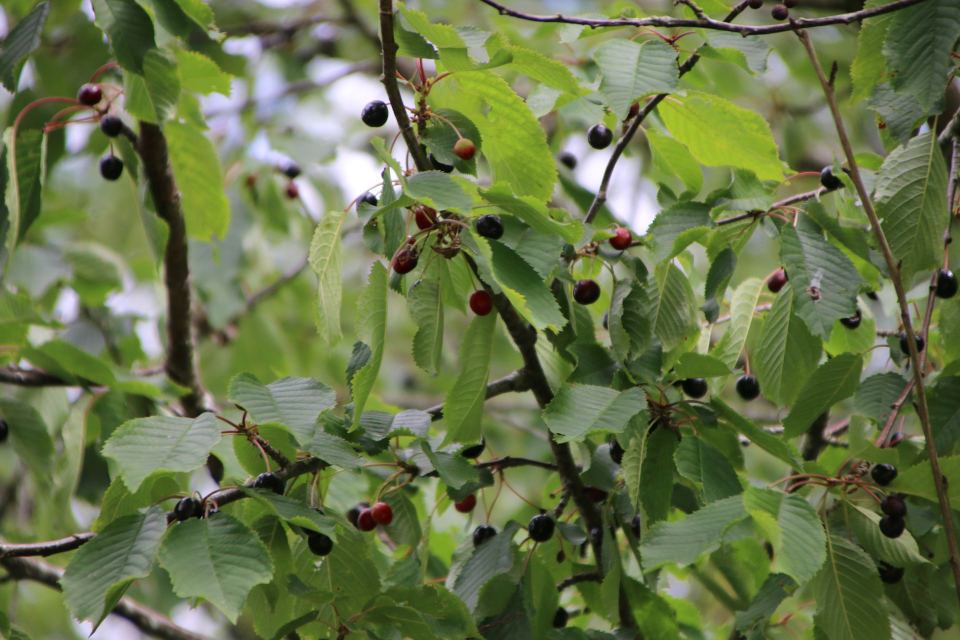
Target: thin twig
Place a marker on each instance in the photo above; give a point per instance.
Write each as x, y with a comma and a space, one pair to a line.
516, 381
587, 576
894, 270
44, 549
513, 461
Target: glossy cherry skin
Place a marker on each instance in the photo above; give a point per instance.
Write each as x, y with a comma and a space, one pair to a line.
375, 114
586, 291
694, 387
382, 513
365, 521
599, 136
465, 149
541, 528
481, 302
777, 280
467, 504
483, 533
320, 544
622, 240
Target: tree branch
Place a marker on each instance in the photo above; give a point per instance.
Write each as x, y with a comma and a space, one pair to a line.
512, 461
389, 80
44, 549
181, 361
516, 381
30, 378
586, 576
709, 23
894, 270
149, 622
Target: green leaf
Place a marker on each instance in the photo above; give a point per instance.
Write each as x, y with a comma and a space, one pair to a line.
200, 74
698, 365
870, 66
426, 308
672, 158
379, 424
102, 569
197, 169
145, 445
293, 511
217, 558
793, 528
632, 70
371, 330
293, 402
823, 279
671, 227
333, 450
326, 262
699, 461
525, 288
129, 28
653, 485
438, 189
770, 443
899, 552
630, 329
348, 572
899, 111
463, 408
119, 502
742, 306
918, 480
835, 380
454, 470
750, 53
719, 133
764, 604
876, 393
22, 40
917, 49
849, 594
26, 168
440, 137
153, 96
552, 73
673, 307
911, 197
683, 541
577, 411
405, 526
549, 222
493, 558
514, 143
787, 352
944, 408
440, 35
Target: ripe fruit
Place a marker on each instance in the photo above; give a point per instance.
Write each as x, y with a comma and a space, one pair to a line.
382, 513
541, 527
481, 303
483, 533
111, 167
829, 181
586, 291
777, 280
490, 226
568, 160
946, 284
4, 431
467, 504
634, 110
616, 452
89, 95
187, 508
595, 495
439, 166
111, 125
622, 240
599, 137
748, 387
694, 387
369, 198
780, 12
892, 527
269, 481
320, 544
790, 4
425, 217
375, 114
635, 526
894, 506
293, 192
890, 574
291, 170
605, 319
853, 321
405, 262
905, 345
561, 616
365, 521
353, 515
755, 4
883, 474
464, 149
473, 452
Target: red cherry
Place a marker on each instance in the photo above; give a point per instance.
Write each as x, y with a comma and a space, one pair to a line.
425, 217
595, 495
89, 95
777, 280
365, 521
467, 504
481, 302
634, 110
293, 192
622, 240
465, 149
382, 513
405, 262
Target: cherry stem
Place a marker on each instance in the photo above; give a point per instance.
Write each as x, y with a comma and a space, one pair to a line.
104, 68
431, 114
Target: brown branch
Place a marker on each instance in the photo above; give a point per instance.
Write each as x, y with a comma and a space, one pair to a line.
512, 461
389, 80
709, 23
815, 441
516, 381
44, 549
30, 378
181, 360
586, 576
149, 622
894, 270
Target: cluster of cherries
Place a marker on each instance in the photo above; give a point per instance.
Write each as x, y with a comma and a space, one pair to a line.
892, 524
90, 95
376, 113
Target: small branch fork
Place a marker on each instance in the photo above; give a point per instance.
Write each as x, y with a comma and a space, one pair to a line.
894, 270
704, 22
